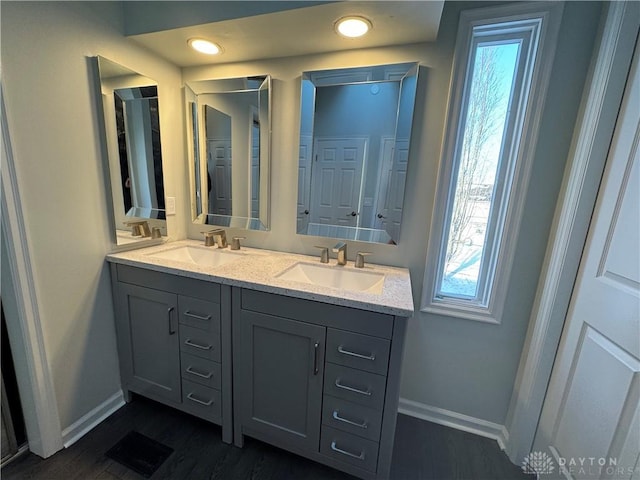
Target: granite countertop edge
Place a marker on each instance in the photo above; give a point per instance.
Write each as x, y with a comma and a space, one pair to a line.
260, 268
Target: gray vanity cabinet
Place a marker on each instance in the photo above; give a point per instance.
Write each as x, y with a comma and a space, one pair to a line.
281, 367
174, 341
317, 379
150, 356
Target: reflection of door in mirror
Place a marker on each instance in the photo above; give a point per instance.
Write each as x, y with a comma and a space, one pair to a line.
355, 128
218, 130
336, 188
391, 190
304, 182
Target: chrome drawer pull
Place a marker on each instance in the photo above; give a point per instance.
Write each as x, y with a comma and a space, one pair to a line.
197, 345
198, 374
337, 416
371, 357
344, 452
198, 317
351, 389
197, 400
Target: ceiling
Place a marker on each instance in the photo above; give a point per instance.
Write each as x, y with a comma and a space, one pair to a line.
302, 31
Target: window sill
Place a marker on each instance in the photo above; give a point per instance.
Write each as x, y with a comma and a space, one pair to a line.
466, 312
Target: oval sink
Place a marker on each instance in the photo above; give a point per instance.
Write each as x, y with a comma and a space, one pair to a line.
334, 277
204, 256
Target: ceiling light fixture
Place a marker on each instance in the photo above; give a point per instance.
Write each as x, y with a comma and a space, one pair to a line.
204, 46
353, 27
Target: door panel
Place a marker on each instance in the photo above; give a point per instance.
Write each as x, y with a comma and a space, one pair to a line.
281, 381
336, 180
152, 327
592, 408
219, 151
304, 183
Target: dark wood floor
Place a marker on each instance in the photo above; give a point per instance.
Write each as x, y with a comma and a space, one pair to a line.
423, 451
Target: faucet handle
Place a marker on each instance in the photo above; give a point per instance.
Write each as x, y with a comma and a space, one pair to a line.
235, 243
360, 259
324, 253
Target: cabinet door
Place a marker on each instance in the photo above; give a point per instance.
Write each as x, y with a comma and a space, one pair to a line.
149, 327
282, 363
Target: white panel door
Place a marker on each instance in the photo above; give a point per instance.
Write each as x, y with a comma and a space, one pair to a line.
390, 213
591, 417
219, 165
304, 183
337, 180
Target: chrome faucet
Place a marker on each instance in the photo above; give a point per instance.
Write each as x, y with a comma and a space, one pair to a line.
341, 249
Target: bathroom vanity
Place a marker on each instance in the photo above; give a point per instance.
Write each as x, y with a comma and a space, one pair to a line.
302, 365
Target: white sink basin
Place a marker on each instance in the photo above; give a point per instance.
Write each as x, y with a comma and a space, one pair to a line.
334, 277
204, 256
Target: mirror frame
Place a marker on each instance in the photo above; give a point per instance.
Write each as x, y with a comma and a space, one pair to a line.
366, 75
197, 144
121, 236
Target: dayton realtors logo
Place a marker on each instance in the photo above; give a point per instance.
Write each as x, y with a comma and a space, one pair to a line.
538, 463
541, 463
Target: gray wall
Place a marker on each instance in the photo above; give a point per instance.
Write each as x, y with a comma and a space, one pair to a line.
51, 116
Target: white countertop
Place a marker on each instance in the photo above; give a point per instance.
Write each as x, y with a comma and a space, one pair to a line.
258, 269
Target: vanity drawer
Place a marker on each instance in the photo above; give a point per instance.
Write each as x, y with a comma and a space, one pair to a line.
358, 351
200, 343
199, 370
351, 418
355, 385
202, 401
199, 314
349, 448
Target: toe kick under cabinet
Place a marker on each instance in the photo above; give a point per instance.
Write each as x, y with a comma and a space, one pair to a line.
317, 379
174, 341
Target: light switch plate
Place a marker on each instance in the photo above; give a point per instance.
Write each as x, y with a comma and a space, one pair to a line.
171, 205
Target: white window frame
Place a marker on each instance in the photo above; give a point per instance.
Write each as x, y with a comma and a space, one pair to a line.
542, 19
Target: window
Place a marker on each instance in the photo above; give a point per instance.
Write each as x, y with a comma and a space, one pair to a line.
500, 77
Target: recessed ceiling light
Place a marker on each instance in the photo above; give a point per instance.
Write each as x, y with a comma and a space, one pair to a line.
353, 27
204, 46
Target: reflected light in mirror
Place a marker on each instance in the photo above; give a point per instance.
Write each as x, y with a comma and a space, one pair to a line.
204, 46
353, 27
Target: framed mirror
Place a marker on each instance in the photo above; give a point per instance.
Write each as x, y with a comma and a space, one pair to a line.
355, 132
229, 131
131, 112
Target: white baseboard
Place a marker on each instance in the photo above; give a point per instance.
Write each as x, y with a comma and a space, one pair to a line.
86, 423
455, 420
